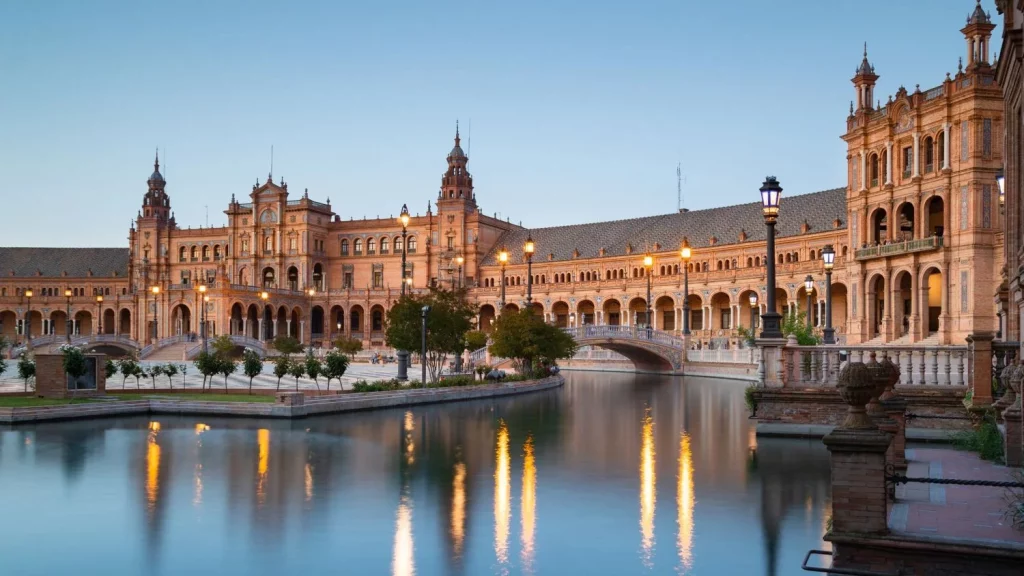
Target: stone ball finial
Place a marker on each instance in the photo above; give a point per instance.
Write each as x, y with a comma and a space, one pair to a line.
891, 373
879, 379
856, 386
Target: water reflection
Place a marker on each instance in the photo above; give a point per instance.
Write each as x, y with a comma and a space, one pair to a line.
648, 490
414, 491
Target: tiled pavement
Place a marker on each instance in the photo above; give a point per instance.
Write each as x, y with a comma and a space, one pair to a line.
952, 511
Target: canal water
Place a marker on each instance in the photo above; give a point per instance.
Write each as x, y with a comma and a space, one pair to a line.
611, 474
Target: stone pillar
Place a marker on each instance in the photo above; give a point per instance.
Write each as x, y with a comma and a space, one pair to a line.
945, 145
302, 333
770, 371
857, 448
916, 169
1012, 443
981, 359
888, 168
1009, 394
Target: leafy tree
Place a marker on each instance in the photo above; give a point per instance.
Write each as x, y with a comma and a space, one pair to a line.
73, 361
226, 367
171, 370
223, 346
349, 346
335, 365
298, 370
110, 368
206, 363
252, 365
287, 345
529, 342
128, 366
26, 368
449, 320
475, 340
183, 368
281, 368
314, 368
155, 371
796, 325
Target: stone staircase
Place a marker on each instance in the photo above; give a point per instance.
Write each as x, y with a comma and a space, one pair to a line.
171, 353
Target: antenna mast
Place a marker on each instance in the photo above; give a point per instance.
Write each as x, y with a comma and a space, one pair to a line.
679, 186
470, 143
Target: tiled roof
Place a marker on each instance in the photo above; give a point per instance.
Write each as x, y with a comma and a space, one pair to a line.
55, 262
819, 209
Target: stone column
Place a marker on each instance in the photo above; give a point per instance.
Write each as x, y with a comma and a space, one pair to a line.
302, 333
888, 166
1009, 395
981, 360
863, 171
916, 169
945, 145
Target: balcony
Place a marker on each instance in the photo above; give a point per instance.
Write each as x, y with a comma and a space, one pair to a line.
899, 248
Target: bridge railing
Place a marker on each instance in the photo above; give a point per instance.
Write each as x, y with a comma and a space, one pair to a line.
626, 332
919, 365
725, 355
249, 342
102, 338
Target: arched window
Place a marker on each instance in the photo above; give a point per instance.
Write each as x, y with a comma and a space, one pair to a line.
718, 265
398, 244
371, 246
268, 216
268, 244
757, 261
750, 262
182, 254
206, 253
874, 169
357, 246
412, 245
195, 253
344, 247
940, 143
796, 256
929, 154
676, 268
216, 251
384, 245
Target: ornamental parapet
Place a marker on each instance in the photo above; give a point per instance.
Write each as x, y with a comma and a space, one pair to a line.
898, 248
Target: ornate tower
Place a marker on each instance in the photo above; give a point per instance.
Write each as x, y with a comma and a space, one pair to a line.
156, 204
864, 82
457, 183
978, 31
455, 235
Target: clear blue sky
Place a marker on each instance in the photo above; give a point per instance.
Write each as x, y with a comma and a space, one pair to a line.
580, 110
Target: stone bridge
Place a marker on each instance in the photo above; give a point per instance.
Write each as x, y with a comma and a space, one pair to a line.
110, 344
648, 349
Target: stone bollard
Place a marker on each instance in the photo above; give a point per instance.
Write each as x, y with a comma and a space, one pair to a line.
1009, 394
857, 448
291, 398
895, 408
1012, 422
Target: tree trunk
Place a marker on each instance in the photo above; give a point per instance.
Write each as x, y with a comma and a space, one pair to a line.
250, 386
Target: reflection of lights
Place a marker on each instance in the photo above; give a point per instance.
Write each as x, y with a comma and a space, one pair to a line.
152, 468
263, 441
409, 425
684, 501
528, 503
647, 488
309, 482
200, 428
410, 445
459, 507
502, 494
402, 560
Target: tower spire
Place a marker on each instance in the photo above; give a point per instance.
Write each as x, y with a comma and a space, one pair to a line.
457, 139
864, 81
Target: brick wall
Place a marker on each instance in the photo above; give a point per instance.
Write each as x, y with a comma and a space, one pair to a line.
824, 406
51, 381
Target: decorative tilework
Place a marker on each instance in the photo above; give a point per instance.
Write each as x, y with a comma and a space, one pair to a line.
854, 301
986, 137
986, 205
964, 131
963, 207
856, 185
963, 291
856, 220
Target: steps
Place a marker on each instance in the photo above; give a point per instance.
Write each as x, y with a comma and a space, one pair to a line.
172, 353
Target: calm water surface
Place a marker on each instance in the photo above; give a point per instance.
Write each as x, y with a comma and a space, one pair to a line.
612, 474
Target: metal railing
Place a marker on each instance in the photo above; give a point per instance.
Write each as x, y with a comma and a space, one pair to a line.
919, 365
895, 248
625, 333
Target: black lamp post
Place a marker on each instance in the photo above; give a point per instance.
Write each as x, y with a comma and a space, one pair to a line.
460, 260
28, 324
503, 260
649, 267
156, 292
809, 288
67, 314
202, 300
528, 249
828, 256
753, 312
99, 314
685, 254
770, 195
423, 343
403, 355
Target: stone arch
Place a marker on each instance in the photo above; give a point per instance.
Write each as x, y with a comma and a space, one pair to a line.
720, 307
296, 321
280, 322
252, 321
612, 311
560, 314
585, 312
902, 302
124, 322
537, 309
747, 315
243, 276
840, 312
665, 313
696, 312
377, 318
268, 277
487, 315
235, 324
83, 323
316, 317
318, 276
108, 325
876, 302
935, 216
933, 299
293, 278
638, 311
511, 307
267, 324
879, 226
905, 221
181, 319
355, 321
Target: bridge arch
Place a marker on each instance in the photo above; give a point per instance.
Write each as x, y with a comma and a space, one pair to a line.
648, 349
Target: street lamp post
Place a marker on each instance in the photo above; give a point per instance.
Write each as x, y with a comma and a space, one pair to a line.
403, 355
528, 249
28, 324
1001, 184
99, 314
155, 290
202, 300
809, 288
503, 260
264, 331
460, 260
423, 344
753, 312
67, 314
685, 253
770, 195
311, 292
828, 255
649, 266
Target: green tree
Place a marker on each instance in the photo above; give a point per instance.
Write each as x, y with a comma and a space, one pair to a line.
223, 346
171, 370
529, 342
73, 361
252, 365
349, 346
475, 340
26, 368
129, 368
226, 367
335, 365
110, 368
281, 368
298, 370
314, 368
155, 371
796, 325
449, 320
206, 363
183, 369
287, 345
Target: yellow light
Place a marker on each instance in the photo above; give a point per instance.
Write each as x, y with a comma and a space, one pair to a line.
67, 292
684, 250
502, 494
154, 426
403, 558
309, 482
152, 468
648, 489
28, 293
648, 261
312, 292
206, 298
263, 463
459, 260
528, 505
503, 256
264, 295
202, 288
685, 501
99, 299
459, 508
155, 290
529, 246
200, 428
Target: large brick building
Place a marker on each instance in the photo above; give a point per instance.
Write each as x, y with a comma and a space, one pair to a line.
917, 233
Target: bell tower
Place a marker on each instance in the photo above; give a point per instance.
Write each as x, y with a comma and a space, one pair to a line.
156, 204
864, 82
457, 184
978, 33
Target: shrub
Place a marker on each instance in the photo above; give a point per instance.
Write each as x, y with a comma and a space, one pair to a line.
171, 370
26, 368
314, 367
349, 346
750, 398
287, 345
252, 365
986, 440
129, 367
281, 368
109, 369
335, 365
376, 386
298, 370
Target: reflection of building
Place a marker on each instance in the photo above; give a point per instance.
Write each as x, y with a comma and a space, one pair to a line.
916, 232
1010, 75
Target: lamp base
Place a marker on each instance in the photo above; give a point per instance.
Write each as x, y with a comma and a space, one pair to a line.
828, 336
771, 325
403, 365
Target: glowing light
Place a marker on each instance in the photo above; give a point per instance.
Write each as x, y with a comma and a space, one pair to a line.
648, 489
263, 441
152, 468
502, 494
309, 482
154, 426
528, 505
685, 501
459, 508
402, 558
410, 446
200, 428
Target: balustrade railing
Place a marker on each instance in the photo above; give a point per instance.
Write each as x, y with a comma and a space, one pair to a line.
248, 342
478, 356
625, 332
904, 247
725, 355
919, 365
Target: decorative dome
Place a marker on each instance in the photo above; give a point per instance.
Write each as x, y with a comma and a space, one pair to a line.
457, 153
156, 176
978, 16
865, 66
